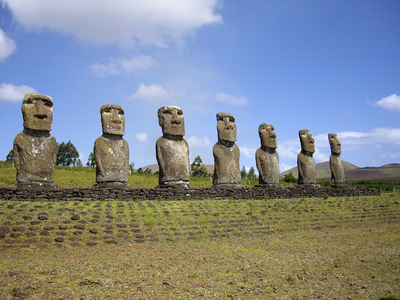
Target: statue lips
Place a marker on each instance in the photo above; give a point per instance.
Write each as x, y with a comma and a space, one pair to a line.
40, 116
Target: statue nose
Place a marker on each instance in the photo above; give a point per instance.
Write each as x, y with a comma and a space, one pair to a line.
115, 117
228, 124
271, 133
40, 109
175, 118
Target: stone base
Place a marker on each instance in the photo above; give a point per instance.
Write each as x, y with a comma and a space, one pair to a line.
228, 186
340, 185
112, 185
174, 184
308, 185
36, 185
270, 186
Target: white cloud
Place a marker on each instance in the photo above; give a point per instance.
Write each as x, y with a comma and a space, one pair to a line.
390, 103
12, 93
142, 137
195, 142
376, 137
122, 66
248, 152
7, 46
284, 167
319, 156
119, 21
231, 99
150, 92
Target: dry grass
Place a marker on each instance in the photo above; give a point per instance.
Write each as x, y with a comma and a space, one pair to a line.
343, 248
345, 263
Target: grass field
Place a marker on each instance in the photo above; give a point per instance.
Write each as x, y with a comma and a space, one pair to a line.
83, 177
343, 248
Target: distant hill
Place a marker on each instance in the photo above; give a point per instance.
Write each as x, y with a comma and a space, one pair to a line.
352, 171
390, 170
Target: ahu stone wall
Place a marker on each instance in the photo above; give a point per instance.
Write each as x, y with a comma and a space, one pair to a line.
257, 192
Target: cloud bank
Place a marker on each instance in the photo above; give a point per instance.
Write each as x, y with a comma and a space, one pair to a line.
7, 46
150, 92
390, 103
12, 93
150, 22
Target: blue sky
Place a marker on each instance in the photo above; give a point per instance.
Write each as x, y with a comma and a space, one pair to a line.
326, 66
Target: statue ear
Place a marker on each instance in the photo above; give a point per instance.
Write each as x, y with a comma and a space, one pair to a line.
160, 120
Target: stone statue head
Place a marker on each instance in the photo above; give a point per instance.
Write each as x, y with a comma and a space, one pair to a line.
306, 141
226, 127
336, 146
170, 118
37, 112
267, 136
112, 119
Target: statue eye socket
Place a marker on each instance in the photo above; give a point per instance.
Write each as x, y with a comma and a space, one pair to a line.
220, 119
107, 110
231, 119
48, 103
121, 112
180, 113
29, 101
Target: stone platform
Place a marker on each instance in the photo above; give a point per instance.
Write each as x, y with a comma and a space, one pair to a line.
257, 192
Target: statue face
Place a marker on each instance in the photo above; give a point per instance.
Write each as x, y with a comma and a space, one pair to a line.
37, 112
336, 146
306, 140
267, 136
226, 127
171, 120
112, 119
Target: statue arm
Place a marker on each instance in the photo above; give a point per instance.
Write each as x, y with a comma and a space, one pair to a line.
300, 166
187, 152
127, 154
333, 170
160, 161
258, 162
17, 159
97, 156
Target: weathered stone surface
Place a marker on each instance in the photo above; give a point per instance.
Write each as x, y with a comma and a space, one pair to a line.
111, 150
336, 164
35, 149
172, 150
305, 162
267, 158
226, 153
257, 192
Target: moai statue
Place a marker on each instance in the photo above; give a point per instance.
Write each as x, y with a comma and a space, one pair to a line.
111, 151
35, 149
172, 150
226, 154
267, 159
305, 161
336, 164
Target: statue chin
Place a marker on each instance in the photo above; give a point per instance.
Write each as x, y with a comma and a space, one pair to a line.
228, 137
